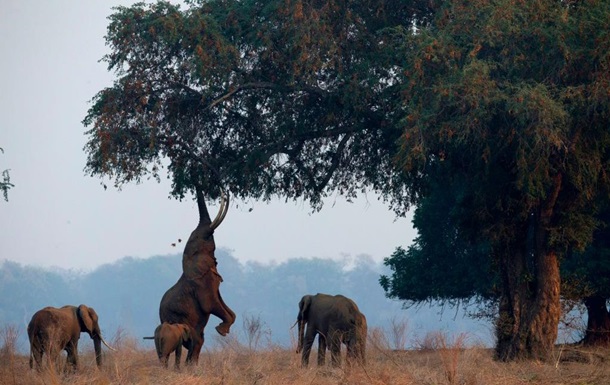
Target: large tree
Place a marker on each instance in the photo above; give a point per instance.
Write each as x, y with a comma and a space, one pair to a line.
513, 97
285, 98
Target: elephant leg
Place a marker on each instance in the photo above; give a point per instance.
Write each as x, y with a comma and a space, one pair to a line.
222, 311
164, 359
36, 356
178, 356
335, 348
310, 335
351, 353
192, 358
321, 350
72, 359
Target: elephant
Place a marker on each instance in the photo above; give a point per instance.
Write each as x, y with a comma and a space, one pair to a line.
170, 338
336, 319
196, 294
52, 330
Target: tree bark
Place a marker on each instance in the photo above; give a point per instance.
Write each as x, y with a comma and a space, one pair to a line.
598, 322
530, 308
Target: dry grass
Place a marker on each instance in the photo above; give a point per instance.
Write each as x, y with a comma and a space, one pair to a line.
443, 360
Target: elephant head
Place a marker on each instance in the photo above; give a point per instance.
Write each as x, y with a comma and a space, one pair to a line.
304, 304
54, 329
88, 322
196, 295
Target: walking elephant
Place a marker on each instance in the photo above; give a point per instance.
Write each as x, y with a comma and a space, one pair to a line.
196, 295
52, 330
335, 319
169, 338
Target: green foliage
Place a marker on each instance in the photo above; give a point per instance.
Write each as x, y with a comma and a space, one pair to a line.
587, 273
497, 94
443, 264
283, 97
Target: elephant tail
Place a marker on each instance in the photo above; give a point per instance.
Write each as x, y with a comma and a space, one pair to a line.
148, 338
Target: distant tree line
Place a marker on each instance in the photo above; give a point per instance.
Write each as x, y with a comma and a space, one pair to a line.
126, 295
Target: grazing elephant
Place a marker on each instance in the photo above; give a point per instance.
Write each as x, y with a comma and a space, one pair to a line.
196, 295
52, 330
170, 338
337, 320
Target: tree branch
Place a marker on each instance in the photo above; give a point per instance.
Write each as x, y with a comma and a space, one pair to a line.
336, 159
262, 85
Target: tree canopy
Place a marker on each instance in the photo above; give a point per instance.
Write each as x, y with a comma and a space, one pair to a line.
288, 98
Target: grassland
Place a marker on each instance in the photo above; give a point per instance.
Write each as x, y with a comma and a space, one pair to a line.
443, 360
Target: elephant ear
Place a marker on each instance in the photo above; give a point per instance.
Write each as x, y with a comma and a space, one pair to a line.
304, 307
87, 316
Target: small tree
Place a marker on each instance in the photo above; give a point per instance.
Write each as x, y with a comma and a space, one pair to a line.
5, 183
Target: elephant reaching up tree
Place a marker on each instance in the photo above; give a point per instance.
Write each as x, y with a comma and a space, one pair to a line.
335, 319
52, 330
196, 295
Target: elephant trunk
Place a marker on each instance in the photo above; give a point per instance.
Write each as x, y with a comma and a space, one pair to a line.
97, 345
301, 323
302, 319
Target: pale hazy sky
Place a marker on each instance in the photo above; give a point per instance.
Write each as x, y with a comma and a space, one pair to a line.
58, 216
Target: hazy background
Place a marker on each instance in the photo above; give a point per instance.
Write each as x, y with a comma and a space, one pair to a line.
58, 216
126, 295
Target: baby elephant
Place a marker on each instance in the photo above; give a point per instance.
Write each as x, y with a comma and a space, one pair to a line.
170, 338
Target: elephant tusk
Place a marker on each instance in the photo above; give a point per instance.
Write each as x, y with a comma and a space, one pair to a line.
222, 212
294, 324
108, 346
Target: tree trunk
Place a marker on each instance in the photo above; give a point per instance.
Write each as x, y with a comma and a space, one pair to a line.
598, 323
529, 311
